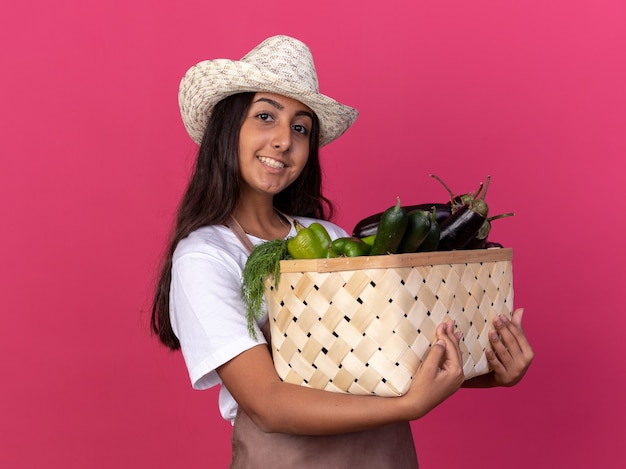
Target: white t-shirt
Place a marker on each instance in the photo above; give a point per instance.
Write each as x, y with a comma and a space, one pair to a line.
207, 312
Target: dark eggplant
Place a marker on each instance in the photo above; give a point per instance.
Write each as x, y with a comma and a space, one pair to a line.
459, 228
472, 199
476, 243
368, 226
480, 240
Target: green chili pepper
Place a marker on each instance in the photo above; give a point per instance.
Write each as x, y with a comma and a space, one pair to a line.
351, 247
312, 242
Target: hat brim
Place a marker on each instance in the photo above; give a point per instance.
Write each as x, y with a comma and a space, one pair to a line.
210, 81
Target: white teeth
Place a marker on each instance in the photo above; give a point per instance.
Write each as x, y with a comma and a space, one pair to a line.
271, 163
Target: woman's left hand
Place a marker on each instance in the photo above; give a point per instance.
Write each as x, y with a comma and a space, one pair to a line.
510, 354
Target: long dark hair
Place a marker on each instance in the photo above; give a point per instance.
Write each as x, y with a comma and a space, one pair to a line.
213, 193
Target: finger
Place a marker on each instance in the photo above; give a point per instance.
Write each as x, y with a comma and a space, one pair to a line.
499, 356
498, 346
515, 339
512, 335
452, 333
458, 336
518, 332
517, 317
494, 364
446, 332
435, 357
503, 333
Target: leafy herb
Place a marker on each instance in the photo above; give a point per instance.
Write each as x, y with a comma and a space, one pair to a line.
263, 262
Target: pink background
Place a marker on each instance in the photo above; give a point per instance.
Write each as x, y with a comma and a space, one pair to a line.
93, 159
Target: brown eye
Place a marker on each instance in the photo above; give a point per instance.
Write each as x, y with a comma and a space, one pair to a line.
301, 129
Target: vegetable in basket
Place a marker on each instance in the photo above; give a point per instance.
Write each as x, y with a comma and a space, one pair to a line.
469, 213
312, 242
431, 243
460, 228
368, 239
263, 262
393, 224
480, 240
351, 246
455, 222
369, 225
417, 230
457, 200
456, 230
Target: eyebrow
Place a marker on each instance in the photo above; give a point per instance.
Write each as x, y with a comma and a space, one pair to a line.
280, 107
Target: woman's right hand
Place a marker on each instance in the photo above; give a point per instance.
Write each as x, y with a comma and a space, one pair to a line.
440, 375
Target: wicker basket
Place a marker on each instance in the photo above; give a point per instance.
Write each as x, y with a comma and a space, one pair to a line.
363, 325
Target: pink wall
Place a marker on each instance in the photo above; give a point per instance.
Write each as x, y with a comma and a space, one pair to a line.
93, 158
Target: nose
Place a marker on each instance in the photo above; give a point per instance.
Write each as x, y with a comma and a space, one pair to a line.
281, 139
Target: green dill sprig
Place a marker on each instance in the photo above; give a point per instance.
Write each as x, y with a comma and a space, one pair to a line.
263, 262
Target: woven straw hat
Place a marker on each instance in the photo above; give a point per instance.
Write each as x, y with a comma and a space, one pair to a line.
281, 65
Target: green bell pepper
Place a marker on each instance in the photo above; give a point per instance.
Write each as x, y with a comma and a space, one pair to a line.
312, 242
351, 247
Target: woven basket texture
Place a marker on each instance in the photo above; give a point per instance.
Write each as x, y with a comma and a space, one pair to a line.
364, 325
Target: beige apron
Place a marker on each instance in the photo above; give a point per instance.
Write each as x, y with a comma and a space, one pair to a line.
387, 447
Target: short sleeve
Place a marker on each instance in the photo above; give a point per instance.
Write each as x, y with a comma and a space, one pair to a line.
207, 312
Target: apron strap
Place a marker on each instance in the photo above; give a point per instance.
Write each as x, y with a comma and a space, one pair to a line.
236, 228
240, 233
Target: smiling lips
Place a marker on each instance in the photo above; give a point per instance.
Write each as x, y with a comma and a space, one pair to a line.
271, 163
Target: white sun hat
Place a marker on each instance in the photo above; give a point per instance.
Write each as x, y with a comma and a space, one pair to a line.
281, 65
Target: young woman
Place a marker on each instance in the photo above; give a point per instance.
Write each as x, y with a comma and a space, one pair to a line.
259, 123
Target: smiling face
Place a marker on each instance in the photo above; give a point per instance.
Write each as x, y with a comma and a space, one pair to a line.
273, 143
